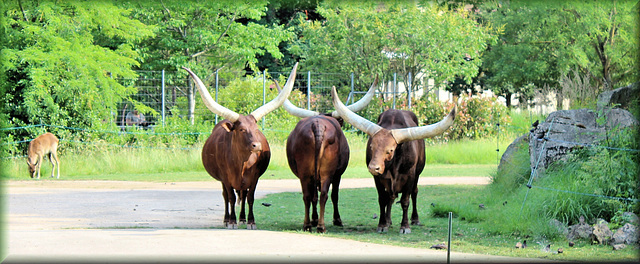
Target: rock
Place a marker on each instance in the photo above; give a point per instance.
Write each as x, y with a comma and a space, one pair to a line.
507, 156
579, 231
627, 234
619, 246
601, 232
561, 227
630, 218
621, 96
567, 130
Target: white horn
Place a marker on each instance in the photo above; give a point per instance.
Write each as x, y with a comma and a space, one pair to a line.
352, 118
363, 102
209, 102
294, 110
280, 99
413, 133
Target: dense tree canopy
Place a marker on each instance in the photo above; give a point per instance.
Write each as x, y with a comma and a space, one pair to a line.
390, 36
541, 41
62, 59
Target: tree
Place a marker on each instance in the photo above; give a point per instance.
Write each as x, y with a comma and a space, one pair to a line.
59, 70
391, 36
207, 36
542, 41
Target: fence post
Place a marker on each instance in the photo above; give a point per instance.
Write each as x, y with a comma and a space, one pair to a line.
394, 89
264, 92
409, 91
217, 92
163, 98
309, 90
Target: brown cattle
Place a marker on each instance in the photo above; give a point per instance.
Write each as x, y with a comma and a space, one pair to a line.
237, 153
318, 154
43, 145
395, 157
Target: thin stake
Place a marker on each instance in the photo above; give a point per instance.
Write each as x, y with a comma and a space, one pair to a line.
449, 241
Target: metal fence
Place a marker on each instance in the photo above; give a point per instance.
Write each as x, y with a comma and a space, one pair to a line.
167, 92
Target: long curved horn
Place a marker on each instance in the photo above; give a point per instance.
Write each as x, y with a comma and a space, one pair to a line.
209, 102
294, 110
352, 118
413, 133
279, 100
363, 102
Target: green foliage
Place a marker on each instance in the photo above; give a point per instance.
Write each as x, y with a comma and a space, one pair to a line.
211, 35
368, 38
599, 171
61, 61
541, 41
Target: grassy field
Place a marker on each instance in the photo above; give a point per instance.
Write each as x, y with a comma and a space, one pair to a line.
469, 234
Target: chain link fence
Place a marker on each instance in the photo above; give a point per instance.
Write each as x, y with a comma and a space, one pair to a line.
171, 93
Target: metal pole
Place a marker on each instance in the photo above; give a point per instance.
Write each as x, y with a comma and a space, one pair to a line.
409, 91
217, 93
449, 240
264, 92
163, 98
309, 90
394, 89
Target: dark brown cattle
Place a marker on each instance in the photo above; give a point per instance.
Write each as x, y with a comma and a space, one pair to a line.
237, 153
395, 157
318, 154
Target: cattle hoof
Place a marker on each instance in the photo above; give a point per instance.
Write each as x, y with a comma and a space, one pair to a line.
306, 228
232, 226
243, 221
321, 229
383, 229
251, 227
405, 230
337, 222
416, 222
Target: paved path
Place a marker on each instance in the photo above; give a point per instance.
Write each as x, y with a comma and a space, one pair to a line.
62, 221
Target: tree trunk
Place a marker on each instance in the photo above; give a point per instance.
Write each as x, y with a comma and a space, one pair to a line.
507, 96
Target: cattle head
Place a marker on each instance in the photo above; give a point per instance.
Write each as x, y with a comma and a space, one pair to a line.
244, 128
383, 142
355, 107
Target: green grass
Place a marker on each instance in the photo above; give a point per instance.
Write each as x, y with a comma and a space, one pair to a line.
470, 233
478, 158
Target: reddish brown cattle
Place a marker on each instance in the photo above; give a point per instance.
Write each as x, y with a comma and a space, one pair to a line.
395, 157
237, 153
318, 154
42, 146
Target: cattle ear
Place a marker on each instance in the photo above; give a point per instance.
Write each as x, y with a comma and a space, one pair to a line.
228, 126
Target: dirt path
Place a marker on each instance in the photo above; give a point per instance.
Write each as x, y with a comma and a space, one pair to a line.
110, 221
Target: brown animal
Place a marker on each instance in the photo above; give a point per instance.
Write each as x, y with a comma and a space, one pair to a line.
318, 154
395, 157
237, 153
45, 144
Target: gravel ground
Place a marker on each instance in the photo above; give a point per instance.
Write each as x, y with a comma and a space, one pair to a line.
114, 221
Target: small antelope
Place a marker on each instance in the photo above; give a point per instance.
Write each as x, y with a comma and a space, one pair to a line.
45, 144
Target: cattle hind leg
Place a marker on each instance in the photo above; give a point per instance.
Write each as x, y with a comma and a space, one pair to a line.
414, 215
230, 208
404, 202
307, 196
251, 223
334, 199
242, 194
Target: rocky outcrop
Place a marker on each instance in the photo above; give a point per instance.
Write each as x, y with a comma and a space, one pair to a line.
627, 234
601, 232
566, 130
620, 97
